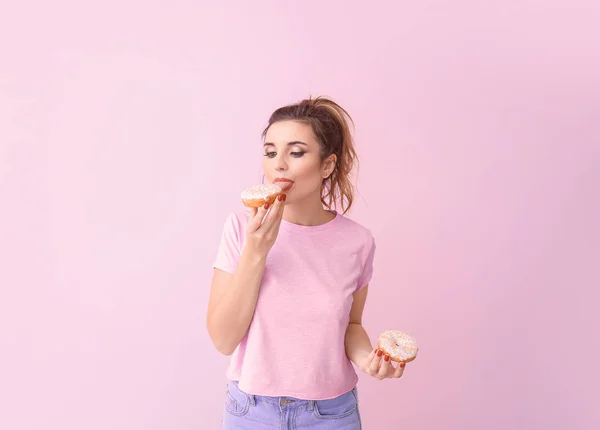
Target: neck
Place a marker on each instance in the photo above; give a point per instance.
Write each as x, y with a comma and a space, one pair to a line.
307, 213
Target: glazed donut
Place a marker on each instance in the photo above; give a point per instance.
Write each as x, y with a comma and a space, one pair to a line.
401, 347
258, 195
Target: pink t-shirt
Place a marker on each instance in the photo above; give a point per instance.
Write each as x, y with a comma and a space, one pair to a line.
295, 343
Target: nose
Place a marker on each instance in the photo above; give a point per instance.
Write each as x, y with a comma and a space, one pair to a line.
280, 164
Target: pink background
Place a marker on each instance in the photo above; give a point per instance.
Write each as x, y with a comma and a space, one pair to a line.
127, 130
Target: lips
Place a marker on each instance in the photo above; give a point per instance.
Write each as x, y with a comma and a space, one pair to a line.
284, 183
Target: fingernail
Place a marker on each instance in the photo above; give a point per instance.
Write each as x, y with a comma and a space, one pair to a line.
402, 364
266, 206
280, 197
379, 353
387, 358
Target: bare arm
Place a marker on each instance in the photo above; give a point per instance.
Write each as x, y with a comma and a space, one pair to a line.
233, 297
233, 300
358, 346
357, 343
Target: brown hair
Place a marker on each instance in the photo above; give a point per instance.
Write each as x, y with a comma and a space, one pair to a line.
331, 126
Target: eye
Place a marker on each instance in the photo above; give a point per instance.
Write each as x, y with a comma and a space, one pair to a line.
270, 154
297, 154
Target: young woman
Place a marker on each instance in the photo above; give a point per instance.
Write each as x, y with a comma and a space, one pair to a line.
290, 284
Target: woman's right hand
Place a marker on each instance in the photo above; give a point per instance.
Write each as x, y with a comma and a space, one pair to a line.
262, 230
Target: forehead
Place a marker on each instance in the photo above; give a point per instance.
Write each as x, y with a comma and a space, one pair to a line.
283, 132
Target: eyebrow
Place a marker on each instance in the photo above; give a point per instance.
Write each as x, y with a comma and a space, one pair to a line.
294, 142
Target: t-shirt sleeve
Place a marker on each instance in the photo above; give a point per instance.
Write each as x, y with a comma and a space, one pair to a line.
367, 271
230, 248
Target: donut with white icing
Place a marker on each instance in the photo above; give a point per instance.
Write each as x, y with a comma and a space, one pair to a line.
401, 347
258, 195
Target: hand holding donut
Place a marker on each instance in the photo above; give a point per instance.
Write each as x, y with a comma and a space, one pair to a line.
266, 204
392, 345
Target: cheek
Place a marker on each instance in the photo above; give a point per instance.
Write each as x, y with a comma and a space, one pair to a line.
266, 161
308, 177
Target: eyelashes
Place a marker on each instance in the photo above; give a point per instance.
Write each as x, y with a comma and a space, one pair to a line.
296, 154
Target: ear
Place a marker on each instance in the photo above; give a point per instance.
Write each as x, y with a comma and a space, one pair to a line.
328, 166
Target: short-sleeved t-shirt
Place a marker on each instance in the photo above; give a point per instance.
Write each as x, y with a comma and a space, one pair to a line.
295, 343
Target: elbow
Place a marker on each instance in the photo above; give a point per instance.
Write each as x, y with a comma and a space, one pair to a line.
221, 343
224, 348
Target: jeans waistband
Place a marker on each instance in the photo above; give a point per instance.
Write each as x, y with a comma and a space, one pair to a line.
281, 401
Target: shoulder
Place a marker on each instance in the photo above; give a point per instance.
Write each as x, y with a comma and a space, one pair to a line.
236, 220
359, 231
240, 216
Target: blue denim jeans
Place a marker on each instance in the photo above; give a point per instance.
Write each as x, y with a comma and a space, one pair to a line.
245, 411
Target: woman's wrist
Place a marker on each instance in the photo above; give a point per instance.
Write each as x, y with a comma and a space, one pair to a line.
254, 256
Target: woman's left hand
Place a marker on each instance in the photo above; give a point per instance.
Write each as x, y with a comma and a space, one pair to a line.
380, 366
